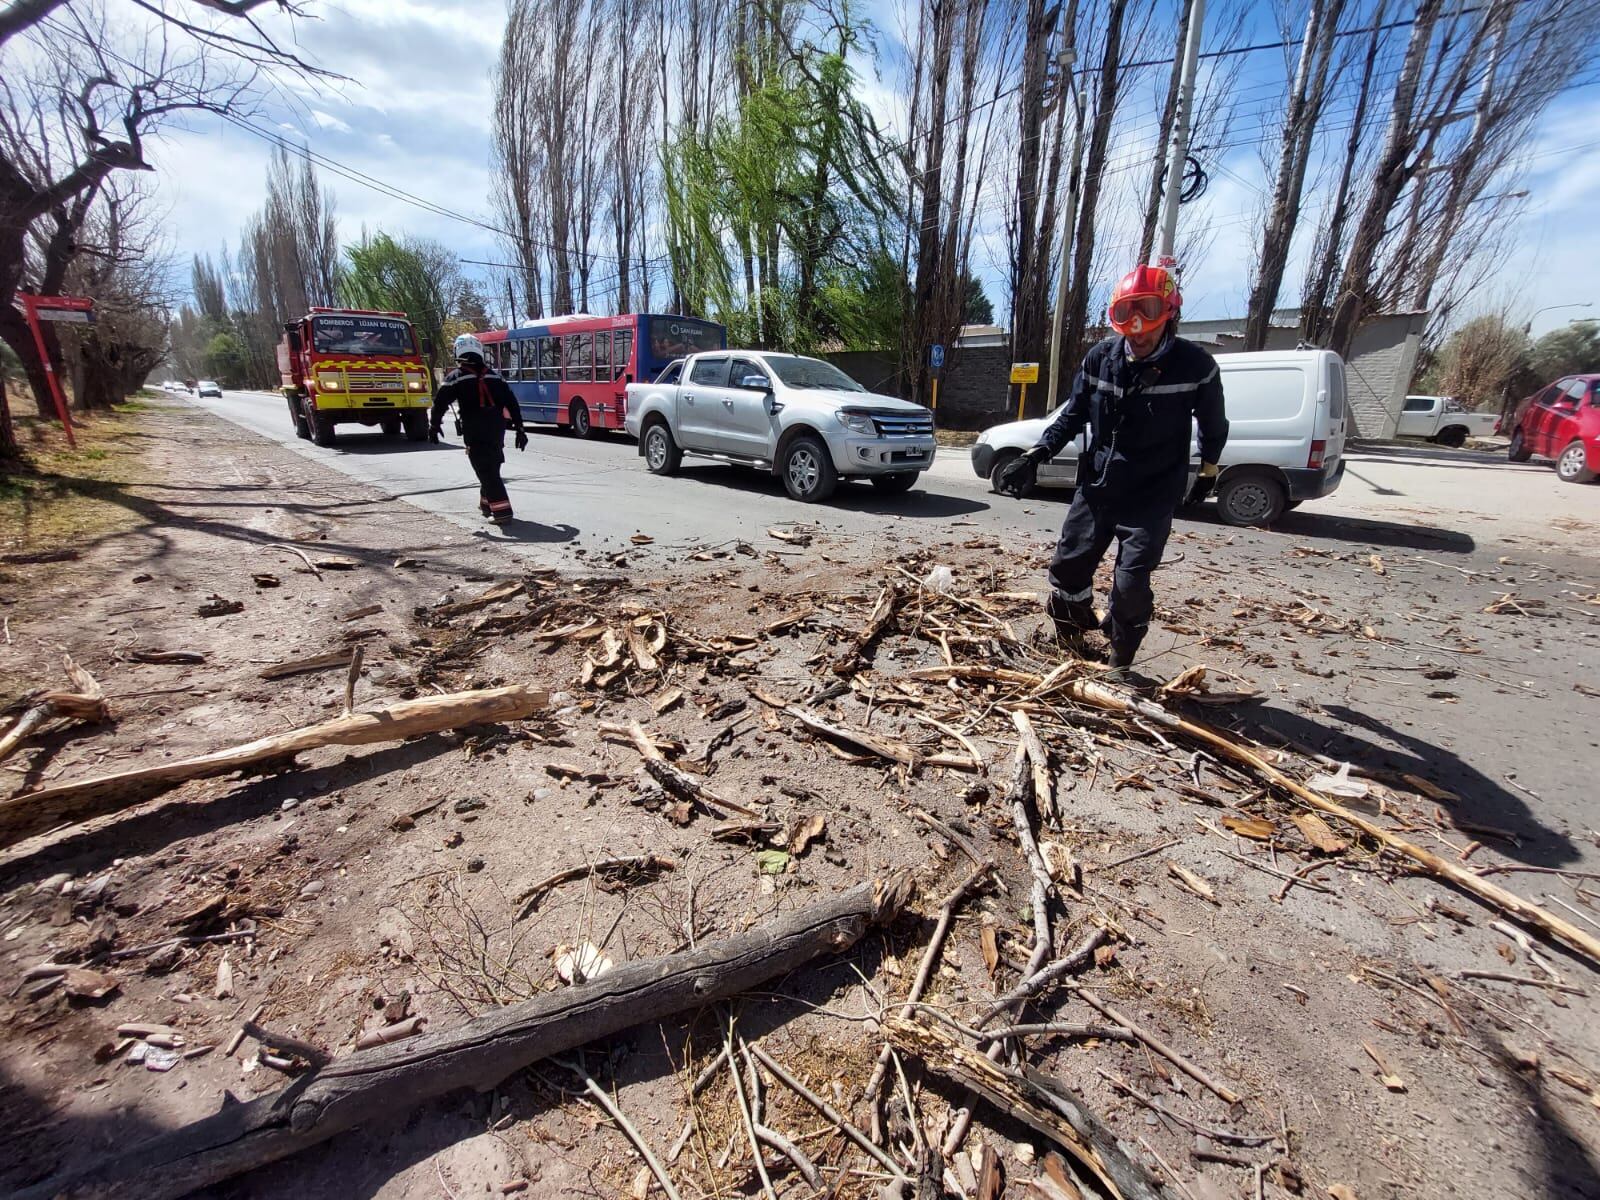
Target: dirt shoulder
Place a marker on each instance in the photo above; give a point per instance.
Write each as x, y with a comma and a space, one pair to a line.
388, 881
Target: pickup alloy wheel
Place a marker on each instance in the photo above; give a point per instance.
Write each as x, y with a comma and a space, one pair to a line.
661, 453
808, 470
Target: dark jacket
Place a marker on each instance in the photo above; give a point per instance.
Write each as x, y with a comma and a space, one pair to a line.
1139, 415
485, 404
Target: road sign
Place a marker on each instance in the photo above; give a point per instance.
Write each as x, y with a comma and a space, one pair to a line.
936, 356
1025, 372
73, 316
36, 308
78, 310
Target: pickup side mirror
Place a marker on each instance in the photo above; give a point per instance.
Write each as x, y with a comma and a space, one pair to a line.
755, 383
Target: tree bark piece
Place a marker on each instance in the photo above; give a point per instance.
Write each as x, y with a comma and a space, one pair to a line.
883, 611
1036, 1100
88, 703
303, 666
1098, 695
372, 1084
69, 803
1044, 796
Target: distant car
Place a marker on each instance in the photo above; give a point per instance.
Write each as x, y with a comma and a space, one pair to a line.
1443, 419
1287, 415
209, 387
1561, 421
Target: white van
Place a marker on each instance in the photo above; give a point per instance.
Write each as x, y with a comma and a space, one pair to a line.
1286, 416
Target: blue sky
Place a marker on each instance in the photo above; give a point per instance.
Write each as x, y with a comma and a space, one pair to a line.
417, 116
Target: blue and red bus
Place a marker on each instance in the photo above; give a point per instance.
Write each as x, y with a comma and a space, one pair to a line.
573, 370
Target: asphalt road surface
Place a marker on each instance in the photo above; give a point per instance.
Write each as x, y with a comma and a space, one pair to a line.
594, 495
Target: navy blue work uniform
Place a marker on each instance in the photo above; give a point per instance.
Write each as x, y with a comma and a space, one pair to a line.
1139, 413
486, 406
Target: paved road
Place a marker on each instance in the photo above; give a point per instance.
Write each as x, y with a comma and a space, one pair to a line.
571, 494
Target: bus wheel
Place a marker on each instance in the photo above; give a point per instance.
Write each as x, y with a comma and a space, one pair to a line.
582, 426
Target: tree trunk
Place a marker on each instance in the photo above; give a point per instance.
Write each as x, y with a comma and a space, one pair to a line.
1299, 131
369, 1085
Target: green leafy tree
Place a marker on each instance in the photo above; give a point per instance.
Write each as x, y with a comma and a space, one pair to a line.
1571, 350
410, 275
975, 306
225, 360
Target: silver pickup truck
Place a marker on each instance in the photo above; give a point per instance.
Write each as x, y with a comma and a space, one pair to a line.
803, 419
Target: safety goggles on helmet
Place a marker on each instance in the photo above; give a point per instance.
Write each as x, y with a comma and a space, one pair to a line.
1149, 308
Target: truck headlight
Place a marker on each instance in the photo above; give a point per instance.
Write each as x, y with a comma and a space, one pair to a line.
857, 422
414, 382
330, 381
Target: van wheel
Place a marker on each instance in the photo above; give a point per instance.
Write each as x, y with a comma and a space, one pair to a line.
578, 414
1573, 465
1455, 437
301, 428
808, 471
1519, 451
661, 453
1251, 500
321, 427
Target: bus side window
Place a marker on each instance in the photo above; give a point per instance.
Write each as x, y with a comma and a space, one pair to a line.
491, 356
602, 355
622, 359
550, 359
513, 360
580, 357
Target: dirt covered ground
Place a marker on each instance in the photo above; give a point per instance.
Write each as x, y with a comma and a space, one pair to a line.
1335, 988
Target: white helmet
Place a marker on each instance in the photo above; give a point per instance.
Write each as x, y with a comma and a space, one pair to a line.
467, 344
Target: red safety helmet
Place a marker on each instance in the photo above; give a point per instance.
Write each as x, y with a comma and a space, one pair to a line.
1144, 299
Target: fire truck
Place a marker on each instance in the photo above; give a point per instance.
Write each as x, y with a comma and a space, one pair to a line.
346, 366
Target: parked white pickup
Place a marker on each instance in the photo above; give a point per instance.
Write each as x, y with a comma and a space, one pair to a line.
803, 419
1443, 419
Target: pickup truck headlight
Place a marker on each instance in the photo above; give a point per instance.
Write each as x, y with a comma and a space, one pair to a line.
857, 422
330, 381
414, 381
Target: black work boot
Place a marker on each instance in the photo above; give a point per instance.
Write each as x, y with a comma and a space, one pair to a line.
1073, 618
1121, 656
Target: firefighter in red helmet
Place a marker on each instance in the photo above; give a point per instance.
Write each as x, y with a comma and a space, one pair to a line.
1139, 394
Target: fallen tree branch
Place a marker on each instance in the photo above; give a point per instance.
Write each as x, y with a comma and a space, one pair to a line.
1044, 798
883, 611
1036, 981
610, 868
604, 1100
777, 1071
369, 1085
1098, 695
1035, 1100
88, 703
70, 803
310, 566
680, 783
930, 956
1156, 1044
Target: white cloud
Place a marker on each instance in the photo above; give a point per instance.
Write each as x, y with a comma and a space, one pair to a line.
324, 120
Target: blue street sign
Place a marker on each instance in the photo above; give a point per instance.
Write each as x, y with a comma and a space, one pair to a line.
936, 356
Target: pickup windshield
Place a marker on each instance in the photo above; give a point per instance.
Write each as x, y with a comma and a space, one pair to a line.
361, 335
811, 373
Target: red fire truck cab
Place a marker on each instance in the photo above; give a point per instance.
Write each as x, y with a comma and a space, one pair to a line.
343, 366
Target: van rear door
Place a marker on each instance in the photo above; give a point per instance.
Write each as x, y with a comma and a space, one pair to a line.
1333, 414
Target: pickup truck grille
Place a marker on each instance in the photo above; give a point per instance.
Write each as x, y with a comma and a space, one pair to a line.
375, 381
907, 425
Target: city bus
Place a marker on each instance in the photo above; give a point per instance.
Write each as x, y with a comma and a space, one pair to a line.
573, 371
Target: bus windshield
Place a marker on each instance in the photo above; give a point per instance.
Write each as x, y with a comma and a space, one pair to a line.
361, 335
811, 373
675, 337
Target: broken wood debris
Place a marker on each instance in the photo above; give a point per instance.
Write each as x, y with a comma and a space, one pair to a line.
611, 871
87, 703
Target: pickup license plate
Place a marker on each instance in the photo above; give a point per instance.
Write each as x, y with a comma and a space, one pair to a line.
913, 454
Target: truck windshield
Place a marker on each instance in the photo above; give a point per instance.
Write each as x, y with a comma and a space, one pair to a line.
361, 335
811, 373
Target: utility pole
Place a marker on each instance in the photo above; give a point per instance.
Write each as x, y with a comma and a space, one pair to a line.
1179, 152
1069, 221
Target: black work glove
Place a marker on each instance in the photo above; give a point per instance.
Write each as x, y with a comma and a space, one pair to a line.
522, 439
1203, 485
1021, 475
433, 434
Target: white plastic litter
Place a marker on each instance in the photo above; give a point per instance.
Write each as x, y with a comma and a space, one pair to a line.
1339, 783
582, 963
941, 579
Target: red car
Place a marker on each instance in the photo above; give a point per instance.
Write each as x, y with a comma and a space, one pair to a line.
1561, 422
